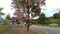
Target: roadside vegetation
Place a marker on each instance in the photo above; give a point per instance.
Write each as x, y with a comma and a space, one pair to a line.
43, 20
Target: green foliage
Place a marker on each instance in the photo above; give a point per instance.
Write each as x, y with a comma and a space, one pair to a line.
36, 10
55, 20
4, 22
17, 21
8, 17
57, 15
42, 20
1, 12
2, 27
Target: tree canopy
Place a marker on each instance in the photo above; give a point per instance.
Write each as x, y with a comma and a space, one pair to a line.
1, 12
56, 15
30, 8
8, 17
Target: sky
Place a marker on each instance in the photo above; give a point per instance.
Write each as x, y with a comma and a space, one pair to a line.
6, 4
52, 7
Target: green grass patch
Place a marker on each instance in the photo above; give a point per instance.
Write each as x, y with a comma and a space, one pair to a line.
53, 26
4, 27
55, 21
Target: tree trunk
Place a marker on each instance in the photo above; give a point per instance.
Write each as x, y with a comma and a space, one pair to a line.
28, 19
27, 27
28, 7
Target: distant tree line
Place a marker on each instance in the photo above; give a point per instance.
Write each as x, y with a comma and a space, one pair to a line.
56, 15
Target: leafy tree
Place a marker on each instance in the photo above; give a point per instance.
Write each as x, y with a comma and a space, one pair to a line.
28, 7
56, 15
41, 19
8, 17
1, 12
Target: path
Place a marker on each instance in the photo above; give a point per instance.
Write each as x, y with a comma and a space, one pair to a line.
47, 30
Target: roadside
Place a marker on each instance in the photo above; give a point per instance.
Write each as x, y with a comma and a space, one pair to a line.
48, 26
47, 30
19, 30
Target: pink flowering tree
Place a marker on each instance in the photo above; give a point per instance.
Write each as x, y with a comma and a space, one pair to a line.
30, 9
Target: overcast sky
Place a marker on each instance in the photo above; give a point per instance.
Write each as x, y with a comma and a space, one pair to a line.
52, 7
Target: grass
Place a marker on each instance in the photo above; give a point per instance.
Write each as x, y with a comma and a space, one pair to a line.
55, 20
4, 27
52, 26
